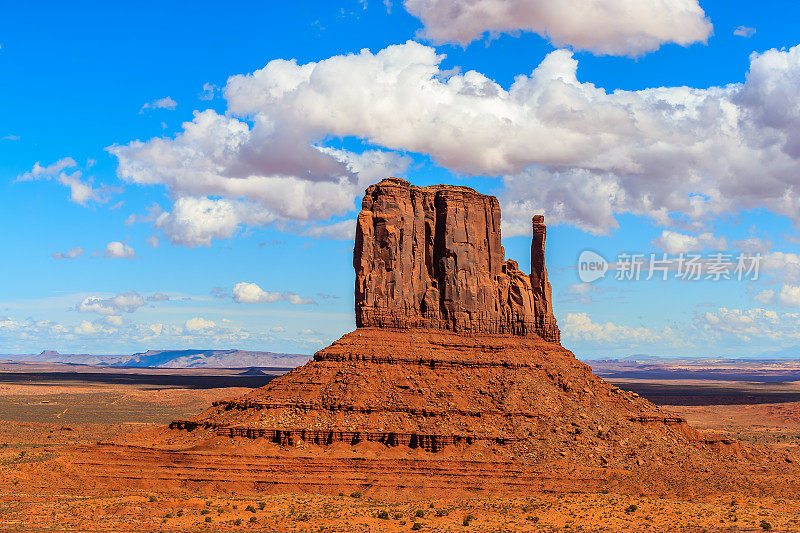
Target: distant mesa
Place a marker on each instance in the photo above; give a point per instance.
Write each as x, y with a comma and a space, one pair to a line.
191, 358
213, 359
253, 372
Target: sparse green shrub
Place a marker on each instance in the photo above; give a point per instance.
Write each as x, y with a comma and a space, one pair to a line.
208, 519
261, 505
397, 516
430, 505
467, 519
766, 526
180, 512
442, 512
631, 508
250, 508
604, 491
152, 499
383, 515
237, 522
420, 513
253, 520
168, 515
416, 527
204, 511
208, 503
356, 494
303, 517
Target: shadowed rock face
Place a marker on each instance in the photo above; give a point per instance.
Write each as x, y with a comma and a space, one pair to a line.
432, 258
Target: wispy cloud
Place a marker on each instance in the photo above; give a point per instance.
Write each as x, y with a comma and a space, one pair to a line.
208, 92
73, 253
160, 103
81, 191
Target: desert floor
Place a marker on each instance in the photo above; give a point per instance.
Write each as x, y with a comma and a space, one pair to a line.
48, 410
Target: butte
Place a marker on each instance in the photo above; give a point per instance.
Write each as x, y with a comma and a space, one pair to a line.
454, 379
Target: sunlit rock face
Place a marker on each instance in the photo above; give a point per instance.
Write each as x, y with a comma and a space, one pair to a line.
432, 258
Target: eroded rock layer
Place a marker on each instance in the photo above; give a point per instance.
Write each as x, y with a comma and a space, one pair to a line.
432, 258
456, 356
435, 389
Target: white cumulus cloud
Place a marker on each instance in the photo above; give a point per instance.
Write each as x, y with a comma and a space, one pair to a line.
86, 328
119, 250
788, 296
618, 27
673, 242
565, 148
245, 292
198, 325
579, 326
784, 265
127, 302
747, 324
195, 221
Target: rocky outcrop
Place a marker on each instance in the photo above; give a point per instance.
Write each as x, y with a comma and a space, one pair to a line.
456, 353
432, 258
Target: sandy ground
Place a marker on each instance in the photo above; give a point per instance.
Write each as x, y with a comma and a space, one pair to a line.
41, 422
298, 512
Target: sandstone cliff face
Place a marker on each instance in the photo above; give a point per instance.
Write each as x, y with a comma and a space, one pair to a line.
431, 257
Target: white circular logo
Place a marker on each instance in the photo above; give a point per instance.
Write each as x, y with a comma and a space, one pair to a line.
591, 266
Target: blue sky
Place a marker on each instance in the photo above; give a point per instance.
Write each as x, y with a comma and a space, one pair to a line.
148, 176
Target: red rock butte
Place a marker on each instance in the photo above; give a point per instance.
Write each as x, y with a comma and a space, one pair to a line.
454, 344
456, 357
432, 258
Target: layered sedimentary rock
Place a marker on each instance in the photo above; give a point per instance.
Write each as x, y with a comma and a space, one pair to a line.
455, 345
432, 258
431, 389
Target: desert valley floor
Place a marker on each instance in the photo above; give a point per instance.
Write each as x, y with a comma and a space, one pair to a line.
51, 414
